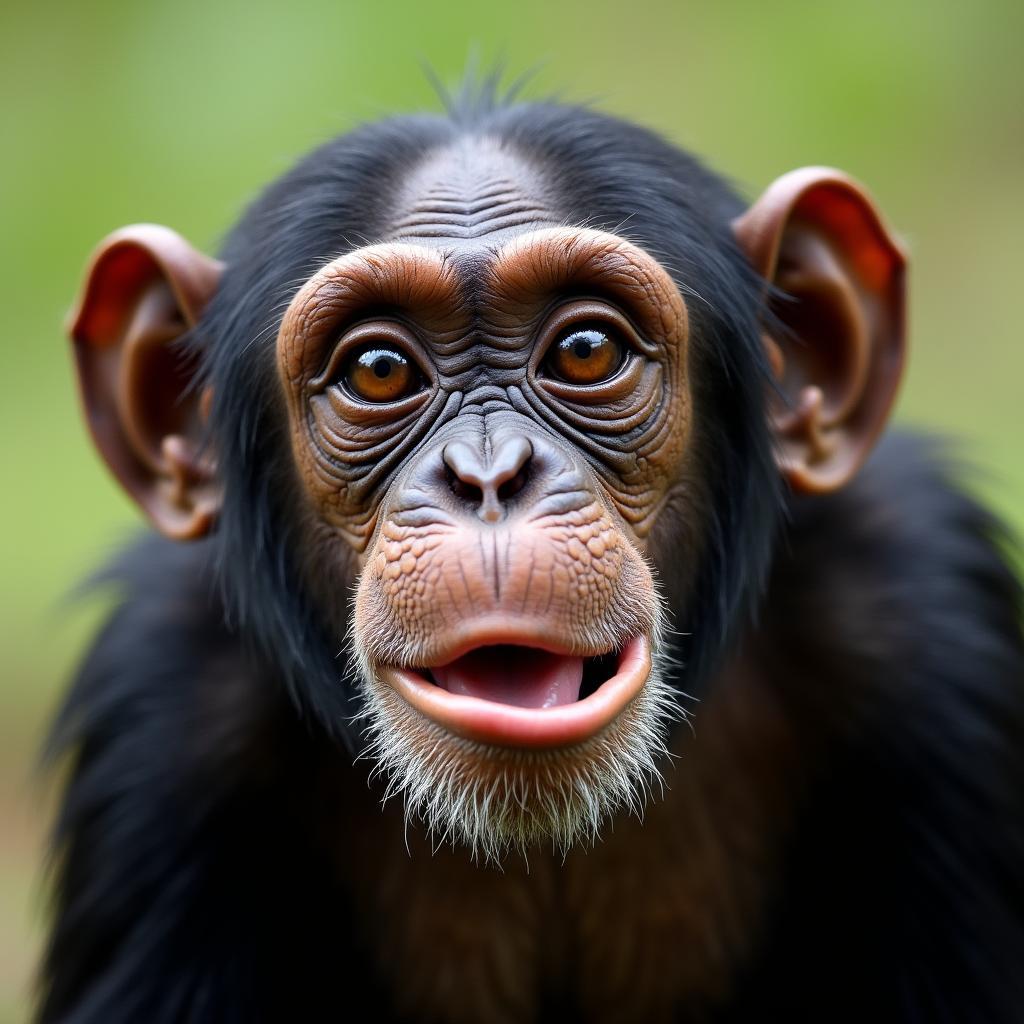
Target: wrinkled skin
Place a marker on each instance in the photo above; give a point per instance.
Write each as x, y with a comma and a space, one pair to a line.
601, 461
496, 503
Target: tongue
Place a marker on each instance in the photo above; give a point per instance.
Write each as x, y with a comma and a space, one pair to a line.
523, 676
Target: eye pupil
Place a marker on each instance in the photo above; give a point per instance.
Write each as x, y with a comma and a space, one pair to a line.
586, 354
381, 374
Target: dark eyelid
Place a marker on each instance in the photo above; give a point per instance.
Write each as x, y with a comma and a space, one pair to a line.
384, 333
583, 313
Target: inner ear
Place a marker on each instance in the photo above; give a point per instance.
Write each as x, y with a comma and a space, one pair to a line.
145, 291
158, 378
817, 301
834, 315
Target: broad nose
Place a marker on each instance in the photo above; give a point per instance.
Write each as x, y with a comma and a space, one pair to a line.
488, 482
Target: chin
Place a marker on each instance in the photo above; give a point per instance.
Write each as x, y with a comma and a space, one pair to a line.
509, 741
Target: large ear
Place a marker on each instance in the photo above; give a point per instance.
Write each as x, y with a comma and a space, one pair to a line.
145, 287
836, 332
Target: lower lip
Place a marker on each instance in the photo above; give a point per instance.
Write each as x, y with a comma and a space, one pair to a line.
505, 725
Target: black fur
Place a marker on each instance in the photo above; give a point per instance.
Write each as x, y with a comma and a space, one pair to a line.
895, 636
208, 725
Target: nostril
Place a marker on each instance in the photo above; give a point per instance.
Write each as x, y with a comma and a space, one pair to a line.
511, 487
461, 488
489, 481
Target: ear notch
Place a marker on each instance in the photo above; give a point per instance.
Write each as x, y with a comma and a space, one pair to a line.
838, 295
144, 289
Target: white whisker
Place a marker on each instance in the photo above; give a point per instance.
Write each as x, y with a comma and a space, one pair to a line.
497, 801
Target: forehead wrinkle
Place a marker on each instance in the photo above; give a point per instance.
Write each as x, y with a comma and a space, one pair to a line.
473, 188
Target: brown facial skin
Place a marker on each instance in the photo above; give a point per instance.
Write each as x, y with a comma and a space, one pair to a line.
562, 555
492, 419
504, 493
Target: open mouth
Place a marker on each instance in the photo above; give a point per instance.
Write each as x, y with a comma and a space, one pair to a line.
518, 695
525, 677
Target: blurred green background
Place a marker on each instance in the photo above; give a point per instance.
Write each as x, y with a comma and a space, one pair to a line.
178, 112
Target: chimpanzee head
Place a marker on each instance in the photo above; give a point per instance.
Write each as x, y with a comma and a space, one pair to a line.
487, 418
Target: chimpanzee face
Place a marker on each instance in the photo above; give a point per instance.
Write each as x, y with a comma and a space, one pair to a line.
490, 410
505, 429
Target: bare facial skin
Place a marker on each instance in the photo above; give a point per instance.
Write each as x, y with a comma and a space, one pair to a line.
491, 419
493, 425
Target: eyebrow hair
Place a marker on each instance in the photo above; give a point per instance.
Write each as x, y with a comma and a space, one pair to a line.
413, 277
542, 261
435, 285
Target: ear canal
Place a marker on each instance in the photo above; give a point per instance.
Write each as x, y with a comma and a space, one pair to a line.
834, 320
145, 288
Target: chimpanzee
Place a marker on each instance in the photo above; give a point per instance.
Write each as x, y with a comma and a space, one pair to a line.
548, 647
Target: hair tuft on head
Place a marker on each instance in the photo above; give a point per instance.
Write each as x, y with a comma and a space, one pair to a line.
479, 94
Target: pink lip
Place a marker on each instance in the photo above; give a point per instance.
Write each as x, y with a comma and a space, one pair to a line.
487, 721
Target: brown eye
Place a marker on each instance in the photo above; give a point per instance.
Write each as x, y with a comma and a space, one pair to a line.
380, 374
585, 355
